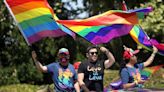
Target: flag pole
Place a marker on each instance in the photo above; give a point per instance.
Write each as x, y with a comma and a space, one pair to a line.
16, 22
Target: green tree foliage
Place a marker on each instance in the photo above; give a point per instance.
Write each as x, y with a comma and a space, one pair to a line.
154, 22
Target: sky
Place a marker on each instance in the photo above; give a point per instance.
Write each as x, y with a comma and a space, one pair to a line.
75, 6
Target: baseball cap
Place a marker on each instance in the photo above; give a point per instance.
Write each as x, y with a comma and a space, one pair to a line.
128, 53
63, 50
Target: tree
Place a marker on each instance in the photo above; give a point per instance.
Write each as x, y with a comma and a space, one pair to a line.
154, 22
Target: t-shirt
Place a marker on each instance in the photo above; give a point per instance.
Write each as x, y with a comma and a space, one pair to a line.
93, 74
128, 74
63, 77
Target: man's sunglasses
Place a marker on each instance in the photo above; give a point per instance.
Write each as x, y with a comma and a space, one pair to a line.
92, 53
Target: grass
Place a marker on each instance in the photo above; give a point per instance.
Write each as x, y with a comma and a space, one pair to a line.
156, 81
19, 88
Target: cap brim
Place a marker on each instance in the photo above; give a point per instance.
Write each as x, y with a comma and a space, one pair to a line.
135, 52
67, 53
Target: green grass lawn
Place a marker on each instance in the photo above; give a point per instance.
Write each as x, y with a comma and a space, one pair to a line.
156, 81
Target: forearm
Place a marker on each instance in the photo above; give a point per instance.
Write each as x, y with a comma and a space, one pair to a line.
77, 87
83, 86
110, 56
129, 85
149, 60
109, 62
39, 66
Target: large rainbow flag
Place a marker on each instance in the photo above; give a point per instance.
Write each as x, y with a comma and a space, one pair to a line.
35, 19
110, 17
104, 27
141, 38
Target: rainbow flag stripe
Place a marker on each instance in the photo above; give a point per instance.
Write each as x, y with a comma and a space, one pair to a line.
110, 17
34, 19
150, 70
102, 34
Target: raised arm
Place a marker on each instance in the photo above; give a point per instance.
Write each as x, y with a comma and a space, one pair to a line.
109, 62
151, 58
39, 66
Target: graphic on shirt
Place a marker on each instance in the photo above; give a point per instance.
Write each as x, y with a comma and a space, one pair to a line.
65, 79
95, 75
137, 75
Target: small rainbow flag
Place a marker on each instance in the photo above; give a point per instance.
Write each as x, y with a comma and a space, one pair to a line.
35, 19
147, 72
141, 38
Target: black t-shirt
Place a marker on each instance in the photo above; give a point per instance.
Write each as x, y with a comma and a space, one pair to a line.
93, 74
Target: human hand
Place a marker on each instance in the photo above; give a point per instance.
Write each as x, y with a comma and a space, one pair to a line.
126, 48
34, 55
103, 49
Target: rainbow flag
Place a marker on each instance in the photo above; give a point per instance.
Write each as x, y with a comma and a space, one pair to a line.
102, 34
110, 17
141, 38
138, 34
104, 27
147, 72
35, 19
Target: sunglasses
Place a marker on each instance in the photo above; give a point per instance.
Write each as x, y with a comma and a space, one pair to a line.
63, 56
92, 53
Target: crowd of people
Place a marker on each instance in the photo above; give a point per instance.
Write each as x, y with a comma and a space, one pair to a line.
88, 75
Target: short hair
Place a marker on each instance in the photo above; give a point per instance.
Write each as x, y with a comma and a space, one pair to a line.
92, 47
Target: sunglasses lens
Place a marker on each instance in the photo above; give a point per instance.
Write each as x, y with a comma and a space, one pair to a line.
92, 53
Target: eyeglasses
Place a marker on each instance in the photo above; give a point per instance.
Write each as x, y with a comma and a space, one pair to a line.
92, 53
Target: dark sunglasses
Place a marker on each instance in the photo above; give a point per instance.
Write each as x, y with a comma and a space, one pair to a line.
92, 53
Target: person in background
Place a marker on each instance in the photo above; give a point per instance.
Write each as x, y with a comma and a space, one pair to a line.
63, 73
91, 71
130, 71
